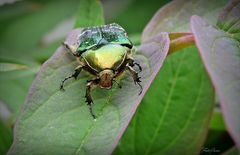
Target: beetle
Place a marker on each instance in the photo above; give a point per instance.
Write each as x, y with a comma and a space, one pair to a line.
106, 52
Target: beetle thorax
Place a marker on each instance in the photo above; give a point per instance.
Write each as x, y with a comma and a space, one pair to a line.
106, 77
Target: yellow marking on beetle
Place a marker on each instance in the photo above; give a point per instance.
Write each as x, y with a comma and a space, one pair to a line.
107, 57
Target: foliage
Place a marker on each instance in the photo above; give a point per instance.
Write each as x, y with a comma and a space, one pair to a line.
220, 53
174, 115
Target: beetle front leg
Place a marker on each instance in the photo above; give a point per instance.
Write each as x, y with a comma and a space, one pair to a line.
133, 63
139, 66
90, 85
135, 77
74, 75
119, 85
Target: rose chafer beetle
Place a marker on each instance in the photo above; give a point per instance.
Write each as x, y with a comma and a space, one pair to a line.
105, 52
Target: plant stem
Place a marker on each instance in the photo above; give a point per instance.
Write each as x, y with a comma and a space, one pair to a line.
180, 41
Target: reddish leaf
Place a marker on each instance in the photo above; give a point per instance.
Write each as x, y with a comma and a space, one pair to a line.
220, 55
175, 16
48, 112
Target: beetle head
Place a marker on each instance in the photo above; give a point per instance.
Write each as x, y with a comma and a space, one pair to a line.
106, 77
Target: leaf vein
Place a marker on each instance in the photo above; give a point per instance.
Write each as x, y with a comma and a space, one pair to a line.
166, 105
189, 118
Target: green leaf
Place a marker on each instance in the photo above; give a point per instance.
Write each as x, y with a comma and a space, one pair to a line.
23, 24
30, 27
229, 19
86, 16
220, 53
14, 91
133, 15
4, 67
5, 138
175, 113
15, 83
183, 129
55, 122
135, 38
174, 17
232, 151
180, 41
217, 122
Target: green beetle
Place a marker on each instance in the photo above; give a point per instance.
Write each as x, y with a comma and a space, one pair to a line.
105, 52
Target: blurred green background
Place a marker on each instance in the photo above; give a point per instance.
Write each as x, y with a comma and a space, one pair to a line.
30, 32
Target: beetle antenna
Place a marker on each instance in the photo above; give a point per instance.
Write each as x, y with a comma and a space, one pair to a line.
117, 83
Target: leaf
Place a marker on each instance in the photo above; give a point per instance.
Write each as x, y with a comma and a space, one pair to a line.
7, 2
15, 83
22, 26
135, 38
174, 17
14, 91
229, 19
232, 151
49, 112
180, 41
5, 138
132, 15
4, 67
175, 112
86, 17
220, 53
31, 26
217, 122
27, 22
183, 128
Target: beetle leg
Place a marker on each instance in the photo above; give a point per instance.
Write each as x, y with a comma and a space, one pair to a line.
119, 85
139, 66
132, 63
74, 75
135, 77
90, 86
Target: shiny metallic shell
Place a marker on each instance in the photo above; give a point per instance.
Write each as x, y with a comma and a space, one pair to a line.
110, 56
100, 35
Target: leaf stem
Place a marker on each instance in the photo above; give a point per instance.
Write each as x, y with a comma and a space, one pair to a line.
180, 41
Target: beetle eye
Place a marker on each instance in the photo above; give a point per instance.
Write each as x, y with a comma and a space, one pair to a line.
127, 45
